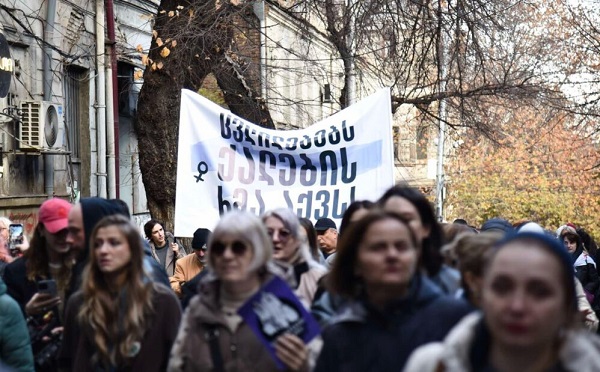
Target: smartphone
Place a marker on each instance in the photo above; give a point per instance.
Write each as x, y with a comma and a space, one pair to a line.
15, 233
48, 287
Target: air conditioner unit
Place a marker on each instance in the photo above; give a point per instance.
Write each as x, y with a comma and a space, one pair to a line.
42, 126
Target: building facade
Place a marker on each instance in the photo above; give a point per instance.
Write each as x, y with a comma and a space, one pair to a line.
66, 127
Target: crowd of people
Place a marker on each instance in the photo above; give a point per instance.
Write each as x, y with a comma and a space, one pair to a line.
392, 290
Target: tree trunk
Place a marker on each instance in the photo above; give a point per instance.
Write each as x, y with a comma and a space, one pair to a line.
198, 45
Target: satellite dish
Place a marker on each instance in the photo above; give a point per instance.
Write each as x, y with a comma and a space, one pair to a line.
51, 127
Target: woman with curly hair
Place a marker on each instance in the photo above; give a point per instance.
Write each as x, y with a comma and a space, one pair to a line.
119, 320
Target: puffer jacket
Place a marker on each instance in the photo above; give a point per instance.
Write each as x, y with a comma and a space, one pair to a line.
15, 346
580, 351
362, 338
241, 350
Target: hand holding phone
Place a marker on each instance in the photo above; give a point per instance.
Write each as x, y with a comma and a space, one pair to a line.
15, 236
48, 287
44, 300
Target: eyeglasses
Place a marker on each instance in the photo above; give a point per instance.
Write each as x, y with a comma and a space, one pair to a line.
283, 233
238, 248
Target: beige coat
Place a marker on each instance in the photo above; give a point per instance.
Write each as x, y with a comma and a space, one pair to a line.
308, 285
185, 269
580, 351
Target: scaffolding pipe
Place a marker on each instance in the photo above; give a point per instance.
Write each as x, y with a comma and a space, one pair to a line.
47, 78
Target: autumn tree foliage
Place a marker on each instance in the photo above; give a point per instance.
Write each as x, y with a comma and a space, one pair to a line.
541, 167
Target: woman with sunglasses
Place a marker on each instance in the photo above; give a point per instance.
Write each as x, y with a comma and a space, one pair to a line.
120, 320
291, 252
213, 337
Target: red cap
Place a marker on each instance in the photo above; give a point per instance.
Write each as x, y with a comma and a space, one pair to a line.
54, 214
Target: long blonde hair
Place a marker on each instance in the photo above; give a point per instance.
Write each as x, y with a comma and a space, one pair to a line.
115, 322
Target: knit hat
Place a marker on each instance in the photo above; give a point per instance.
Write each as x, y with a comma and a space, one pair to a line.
530, 227
54, 214
554, 247
200, 239
497, 224
566, 229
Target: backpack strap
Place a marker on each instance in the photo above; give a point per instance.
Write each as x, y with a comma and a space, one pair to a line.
212, 337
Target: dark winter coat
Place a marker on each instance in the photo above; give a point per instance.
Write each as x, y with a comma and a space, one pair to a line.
20, 288
363, 339
588, 276
240, 350
93, 210
77, 350
585, 271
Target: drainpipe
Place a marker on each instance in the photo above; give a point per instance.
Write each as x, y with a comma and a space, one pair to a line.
48, 77
351, 7
112, 105
100, 101
442, 113
261, 12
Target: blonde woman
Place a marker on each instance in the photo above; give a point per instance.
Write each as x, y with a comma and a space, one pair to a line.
119, 320
213, 336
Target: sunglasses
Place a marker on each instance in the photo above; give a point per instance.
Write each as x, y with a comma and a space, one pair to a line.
238, 248
283, 234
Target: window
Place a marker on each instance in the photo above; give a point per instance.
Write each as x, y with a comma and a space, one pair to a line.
75, 82
422, 142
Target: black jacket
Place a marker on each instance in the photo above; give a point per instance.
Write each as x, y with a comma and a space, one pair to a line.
588, 276
93, 210
19, 287
361, 338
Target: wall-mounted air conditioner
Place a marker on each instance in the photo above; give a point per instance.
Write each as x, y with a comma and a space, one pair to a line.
42, 126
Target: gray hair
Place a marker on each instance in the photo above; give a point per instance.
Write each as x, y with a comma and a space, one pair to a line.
248, 228
5, 221
292, 223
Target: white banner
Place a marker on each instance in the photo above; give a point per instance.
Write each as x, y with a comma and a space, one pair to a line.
226, 162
